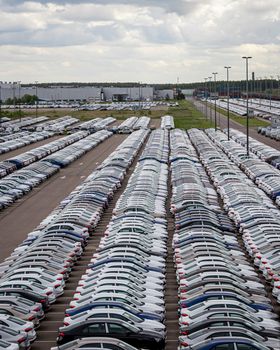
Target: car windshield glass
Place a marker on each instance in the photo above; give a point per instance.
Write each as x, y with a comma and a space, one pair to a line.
20, 309
10, 331
132, 317
82, 314
16, 320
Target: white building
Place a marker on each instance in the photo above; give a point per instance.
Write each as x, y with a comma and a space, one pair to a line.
85, 93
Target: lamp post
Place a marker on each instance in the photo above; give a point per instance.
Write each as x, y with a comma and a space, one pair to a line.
14, 94
215, 89
139, 95
247, 106
205, 95
19, 104
271, 88
228, 68
265, 86
36, 86
210, 79
278, 86
0, 103
260, 89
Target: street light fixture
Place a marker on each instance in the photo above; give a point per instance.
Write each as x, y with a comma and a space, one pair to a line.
0, 103
271, 88
247, 106
227, 68
260, 89
19, 102
14, 94
215, 89
278, 86
205, 96
210, 80
36, 86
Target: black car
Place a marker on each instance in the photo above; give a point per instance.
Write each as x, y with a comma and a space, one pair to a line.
113, 328
18, 292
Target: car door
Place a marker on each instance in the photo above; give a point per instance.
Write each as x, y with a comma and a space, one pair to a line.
118, 331
94, 329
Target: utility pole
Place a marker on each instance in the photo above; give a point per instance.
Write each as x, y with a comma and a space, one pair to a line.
36, 86
228, 68
210, 79
0, 103
205, 96
247, 106
215, 89
14, 94
271, 89
19, 100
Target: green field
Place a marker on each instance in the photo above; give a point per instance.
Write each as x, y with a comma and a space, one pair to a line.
253, 122
186, 116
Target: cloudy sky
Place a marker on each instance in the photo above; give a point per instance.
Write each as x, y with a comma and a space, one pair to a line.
137, 40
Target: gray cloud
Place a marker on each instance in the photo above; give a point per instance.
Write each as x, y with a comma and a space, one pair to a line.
163, 37
178, 6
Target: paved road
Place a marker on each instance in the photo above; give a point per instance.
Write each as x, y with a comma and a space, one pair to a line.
24, 215
28, 148
222, 122
155, 122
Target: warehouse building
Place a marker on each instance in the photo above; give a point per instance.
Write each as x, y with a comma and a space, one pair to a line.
86, 93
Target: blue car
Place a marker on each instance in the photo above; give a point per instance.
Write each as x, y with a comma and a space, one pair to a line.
223, 295
227, 343
112, 304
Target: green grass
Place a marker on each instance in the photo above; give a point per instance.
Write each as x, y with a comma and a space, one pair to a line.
186, 116
253, 122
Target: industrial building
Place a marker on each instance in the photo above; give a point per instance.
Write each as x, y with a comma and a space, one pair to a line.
86, 93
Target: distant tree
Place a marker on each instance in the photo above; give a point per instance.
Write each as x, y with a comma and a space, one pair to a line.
180, 95
29, 99
9, 101
26, 99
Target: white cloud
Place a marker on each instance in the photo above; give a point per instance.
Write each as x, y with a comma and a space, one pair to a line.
132, 40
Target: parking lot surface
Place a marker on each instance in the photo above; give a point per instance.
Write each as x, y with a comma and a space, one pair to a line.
18, 151
16, 221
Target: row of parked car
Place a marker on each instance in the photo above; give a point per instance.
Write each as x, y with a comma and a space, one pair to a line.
34, 276
17, 124
21, 160
134, 123
167, 122
121, 295
260, 229
58, 125
264, 152
127, 125
24, 140
255, 215
222, 303
89, 124
265, 176
93, 124
273, 133
12, 136
22, 181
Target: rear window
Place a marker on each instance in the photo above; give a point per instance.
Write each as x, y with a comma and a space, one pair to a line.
78, 315
16, 320
4, 344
